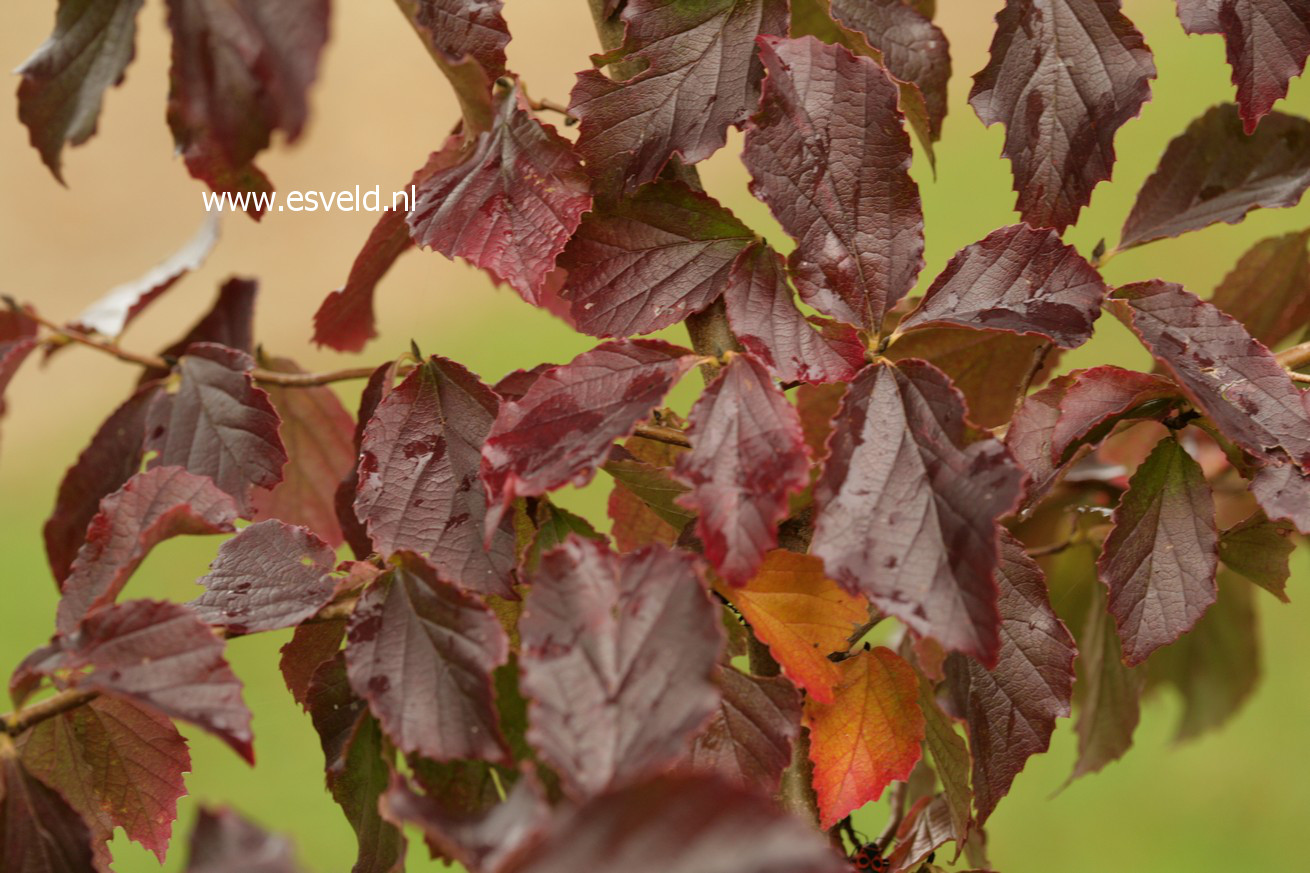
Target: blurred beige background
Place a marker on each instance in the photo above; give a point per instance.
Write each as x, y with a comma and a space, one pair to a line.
1234, 801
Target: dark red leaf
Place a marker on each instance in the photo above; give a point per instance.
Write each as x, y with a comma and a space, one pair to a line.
17, 339
908, 502
1109, 692
110, 315
218, 424
344, 320
159, 655
749, 739
421, 652
113, 457
483, 841
926, 827
562, 429
39, 831
646, 262
65, 80
748, 454
1268, 42
1017, 279
150, 508
617, 657
699, 77
270, 576
319, 437
309, 648
117, 764
224, 842
913, 48
1216, 667
240, 71
1283, 492
1064, 76
764, 318
829, 154
511, 205
229, 322
1160, 559
1229, 375
1011, 710
1259, 549
358, 771
691, 823
1214, 172
1080, 409
379, 385
1269, 289
419, 489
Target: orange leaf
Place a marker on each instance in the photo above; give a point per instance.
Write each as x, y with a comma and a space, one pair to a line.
801, 615
870, 736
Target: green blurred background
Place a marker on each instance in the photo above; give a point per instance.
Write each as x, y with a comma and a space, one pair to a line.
1231, 801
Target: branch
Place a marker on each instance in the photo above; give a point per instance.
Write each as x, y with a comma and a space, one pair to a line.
1294, 358
15, 723
154, 362
661, 434
1039, 358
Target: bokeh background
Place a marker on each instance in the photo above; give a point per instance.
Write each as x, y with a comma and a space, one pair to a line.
1235, 800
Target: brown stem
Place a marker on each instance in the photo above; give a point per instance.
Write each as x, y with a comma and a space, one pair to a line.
661, 434
1039, 358
1294, 358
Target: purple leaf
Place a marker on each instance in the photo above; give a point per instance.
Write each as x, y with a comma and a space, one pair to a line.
110, 315
1017, 279
1259, 549
117, 764
311, 646
270, 576
1160, 560
907, 506
1081, 409
748, 454
1269, 289
1283, 492
224, 842
829, 154
419, 489
764, 318
562, 429
112, 458
699, 77
482, 841
646, 262
1011, 710
1214, 172
511, 205
617, 657
421, 652
344, 320
681, 824
159, 655
148, 509
65, 80
17, 340
39, 831
749, 740
926, 828
318, 434
466, 39
1064, 76
240, 71
913, 49
218, 424
229, 322
379, 385
1268, 43
1229, 375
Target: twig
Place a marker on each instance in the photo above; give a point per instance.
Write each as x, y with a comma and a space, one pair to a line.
1294, 358
546, 105
1303, 378
1039, 358
662, 434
